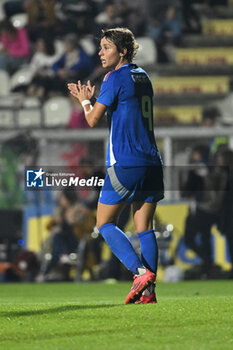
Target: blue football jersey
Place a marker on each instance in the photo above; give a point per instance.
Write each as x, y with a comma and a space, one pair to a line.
128, 94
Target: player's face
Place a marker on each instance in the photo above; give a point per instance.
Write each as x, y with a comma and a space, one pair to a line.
109, 55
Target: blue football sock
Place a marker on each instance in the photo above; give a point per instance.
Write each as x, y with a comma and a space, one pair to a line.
149, 250
120, 246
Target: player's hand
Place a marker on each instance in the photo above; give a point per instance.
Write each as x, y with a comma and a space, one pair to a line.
82, 92
91, 88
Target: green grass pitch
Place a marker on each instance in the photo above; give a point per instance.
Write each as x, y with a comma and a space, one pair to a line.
60, 316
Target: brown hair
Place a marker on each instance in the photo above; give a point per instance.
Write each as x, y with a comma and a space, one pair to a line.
123, 38
8, 27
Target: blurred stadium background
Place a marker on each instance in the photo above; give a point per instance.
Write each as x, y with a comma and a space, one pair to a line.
186, 47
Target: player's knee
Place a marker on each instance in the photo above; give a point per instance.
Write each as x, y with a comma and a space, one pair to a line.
100, 223
143, 226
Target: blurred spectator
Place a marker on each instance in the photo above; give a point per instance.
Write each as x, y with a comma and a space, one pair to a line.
41, 18
210, 116
191, 18
205, 185
225, 219
90, 246
41, 64
164, 25
20, 150
133, 14
77, 118
108, 18
14, 7
44, 56
63, 239
71, 227
73, 65
15, 47
117, 13
74, 15
193, 185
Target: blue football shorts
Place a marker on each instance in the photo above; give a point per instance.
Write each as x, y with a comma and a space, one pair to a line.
132, 184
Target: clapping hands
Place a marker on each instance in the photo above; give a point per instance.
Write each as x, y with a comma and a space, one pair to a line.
82, 92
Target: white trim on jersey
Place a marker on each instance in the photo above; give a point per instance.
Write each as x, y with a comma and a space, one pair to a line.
112, 158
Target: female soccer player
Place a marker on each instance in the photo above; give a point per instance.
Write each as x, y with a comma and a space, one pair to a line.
134, 170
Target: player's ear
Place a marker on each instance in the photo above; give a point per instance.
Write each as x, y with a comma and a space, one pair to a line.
122, 54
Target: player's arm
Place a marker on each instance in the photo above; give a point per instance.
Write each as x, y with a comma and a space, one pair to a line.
94, 113
84, 93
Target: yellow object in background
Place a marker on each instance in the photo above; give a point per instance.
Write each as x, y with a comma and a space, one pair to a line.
218, 27
205, 56
37, 232
180, 114
176, 214
191, 85
220, 249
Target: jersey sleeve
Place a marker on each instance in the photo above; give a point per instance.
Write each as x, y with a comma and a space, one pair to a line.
109, 90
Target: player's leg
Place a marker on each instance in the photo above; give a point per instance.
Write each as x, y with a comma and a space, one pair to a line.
107, 217
120, 245
143, 219
111, 203
119, 186
143, 214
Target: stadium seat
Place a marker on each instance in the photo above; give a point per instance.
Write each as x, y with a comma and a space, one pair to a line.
147, 54
20, 20
56, 112
21, 77
31, 115
5, 83
226, 107
6, 119
88, 45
